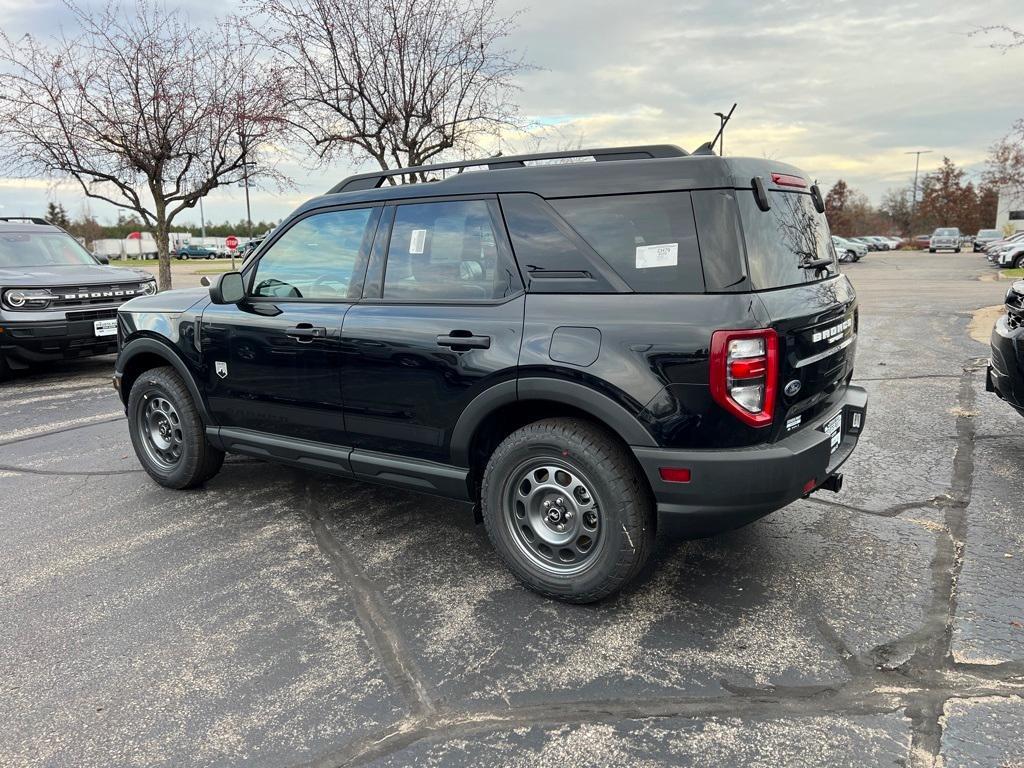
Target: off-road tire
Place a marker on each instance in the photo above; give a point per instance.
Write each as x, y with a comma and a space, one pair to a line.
199, 460
625, 508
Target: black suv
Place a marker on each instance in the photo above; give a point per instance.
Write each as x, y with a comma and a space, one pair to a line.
1006, 366
57, 300
579, 348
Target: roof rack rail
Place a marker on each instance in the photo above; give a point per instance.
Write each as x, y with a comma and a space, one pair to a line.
33, 219
374, 179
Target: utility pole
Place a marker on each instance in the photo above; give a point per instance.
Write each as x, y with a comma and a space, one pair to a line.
202, 220
917, 165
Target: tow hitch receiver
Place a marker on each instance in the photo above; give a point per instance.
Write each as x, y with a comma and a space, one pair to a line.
832, 483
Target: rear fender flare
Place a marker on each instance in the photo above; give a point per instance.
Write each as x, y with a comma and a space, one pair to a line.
600, 406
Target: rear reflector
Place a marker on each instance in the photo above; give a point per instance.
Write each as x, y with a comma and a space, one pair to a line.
674, 474
810, 485
788, 180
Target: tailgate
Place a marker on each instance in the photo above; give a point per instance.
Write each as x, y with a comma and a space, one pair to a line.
817, 327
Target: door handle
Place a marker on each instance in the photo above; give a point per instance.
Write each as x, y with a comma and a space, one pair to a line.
460, 341
306, 332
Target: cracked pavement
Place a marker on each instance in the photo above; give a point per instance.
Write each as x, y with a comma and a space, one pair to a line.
278, 617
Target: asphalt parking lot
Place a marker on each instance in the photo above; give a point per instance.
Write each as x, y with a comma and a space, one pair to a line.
278, 618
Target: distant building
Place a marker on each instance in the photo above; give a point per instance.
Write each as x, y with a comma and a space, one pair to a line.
1010, 210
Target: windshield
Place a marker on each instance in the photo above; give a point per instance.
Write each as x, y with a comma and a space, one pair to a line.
42, 249
947, 232
783, 240
989, 233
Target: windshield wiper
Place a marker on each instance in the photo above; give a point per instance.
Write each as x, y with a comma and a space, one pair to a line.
816, 264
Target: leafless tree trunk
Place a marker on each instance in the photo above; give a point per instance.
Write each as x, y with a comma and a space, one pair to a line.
399, 81
140, 108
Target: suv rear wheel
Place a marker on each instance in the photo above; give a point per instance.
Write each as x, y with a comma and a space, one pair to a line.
167, 431
567, 510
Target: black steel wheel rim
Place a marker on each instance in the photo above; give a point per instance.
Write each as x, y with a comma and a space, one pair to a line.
160, 430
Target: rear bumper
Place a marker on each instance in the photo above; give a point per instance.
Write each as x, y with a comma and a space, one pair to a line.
1005, 374
23, 343
746, 483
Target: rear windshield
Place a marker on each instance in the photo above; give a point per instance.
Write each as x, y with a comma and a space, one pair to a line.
650, 240
782, 240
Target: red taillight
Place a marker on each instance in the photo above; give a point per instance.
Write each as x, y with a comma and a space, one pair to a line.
674, 474
744, 374
788, 180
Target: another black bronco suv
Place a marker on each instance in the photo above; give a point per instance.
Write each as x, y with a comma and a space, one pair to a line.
57, 300
579, 348
1006, 366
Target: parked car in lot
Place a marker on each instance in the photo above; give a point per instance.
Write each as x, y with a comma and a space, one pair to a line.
985, 237
945, 239
922, 241
849, 250
870, 242
57, 300
247, 250
1011, 257
187, 252
1005, 374
577, 348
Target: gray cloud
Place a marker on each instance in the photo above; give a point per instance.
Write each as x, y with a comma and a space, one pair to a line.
841, 89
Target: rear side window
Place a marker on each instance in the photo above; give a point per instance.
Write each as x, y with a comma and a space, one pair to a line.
649, 239
782, 240
446, 251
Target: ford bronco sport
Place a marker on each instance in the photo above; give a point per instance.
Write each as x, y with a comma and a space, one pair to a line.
1005, 374
57, 300
577, 348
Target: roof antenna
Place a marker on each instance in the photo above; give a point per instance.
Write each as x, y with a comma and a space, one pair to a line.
708, 148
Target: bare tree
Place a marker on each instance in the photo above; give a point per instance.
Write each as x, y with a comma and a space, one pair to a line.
1006, 161
140, 108
400, 81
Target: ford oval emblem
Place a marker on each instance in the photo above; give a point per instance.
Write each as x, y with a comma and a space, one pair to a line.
792, 388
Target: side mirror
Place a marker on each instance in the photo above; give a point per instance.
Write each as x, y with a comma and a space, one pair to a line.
229, 289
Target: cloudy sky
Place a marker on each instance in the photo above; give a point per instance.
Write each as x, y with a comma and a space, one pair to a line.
841, 89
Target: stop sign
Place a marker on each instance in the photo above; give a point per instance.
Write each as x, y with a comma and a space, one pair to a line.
231, 242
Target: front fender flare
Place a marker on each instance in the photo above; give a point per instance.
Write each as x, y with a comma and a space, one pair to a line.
149, 345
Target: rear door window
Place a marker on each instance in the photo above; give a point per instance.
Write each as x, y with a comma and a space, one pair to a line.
650, 240
447, 251
782, 240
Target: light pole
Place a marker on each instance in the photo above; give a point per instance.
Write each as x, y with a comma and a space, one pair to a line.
721, 133
917, 165
202, 220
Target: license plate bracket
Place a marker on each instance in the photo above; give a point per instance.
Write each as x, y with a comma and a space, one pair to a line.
105, 327
834, 429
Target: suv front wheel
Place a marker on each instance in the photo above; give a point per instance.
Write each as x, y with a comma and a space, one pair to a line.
567, 510
167, 431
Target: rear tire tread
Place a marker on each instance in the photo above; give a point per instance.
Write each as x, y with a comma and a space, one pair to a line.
632, 503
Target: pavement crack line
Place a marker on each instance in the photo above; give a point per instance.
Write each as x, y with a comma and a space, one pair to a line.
67, 473
107, 419
383, 635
